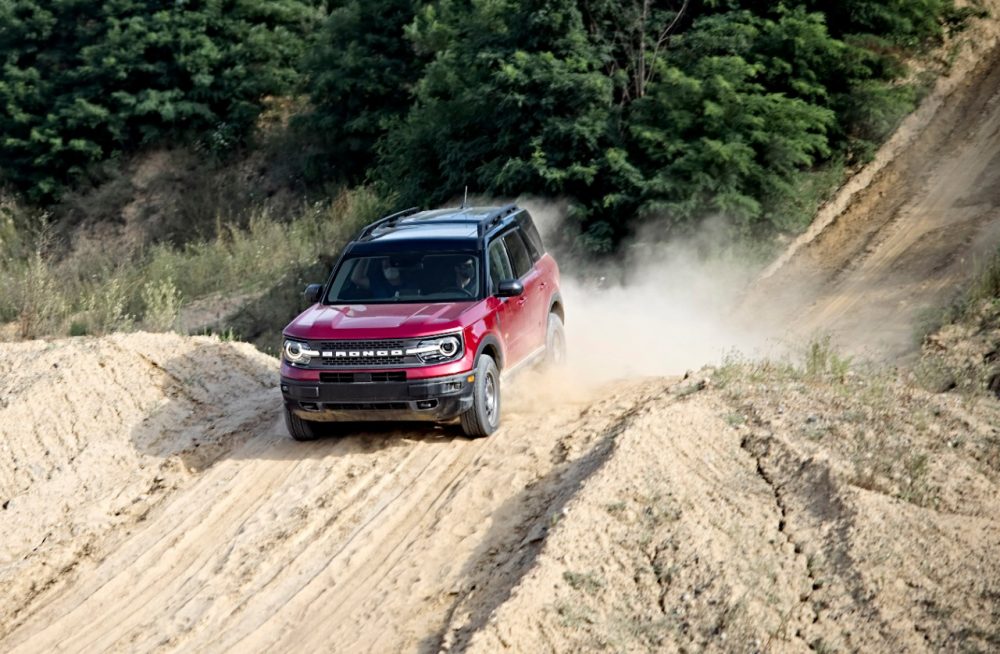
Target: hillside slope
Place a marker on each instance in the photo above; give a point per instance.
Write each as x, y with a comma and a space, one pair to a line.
903, 237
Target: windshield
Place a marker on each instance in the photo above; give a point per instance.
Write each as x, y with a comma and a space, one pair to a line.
407, 277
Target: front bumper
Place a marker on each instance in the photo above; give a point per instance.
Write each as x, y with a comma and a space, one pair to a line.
434, 399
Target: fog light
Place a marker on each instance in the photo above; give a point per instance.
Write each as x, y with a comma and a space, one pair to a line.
426, 404
470, 378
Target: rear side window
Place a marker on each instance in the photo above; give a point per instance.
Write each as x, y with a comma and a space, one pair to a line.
531, 236
519, 257
499, 265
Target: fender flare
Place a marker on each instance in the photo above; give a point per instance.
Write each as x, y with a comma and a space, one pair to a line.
490, 339
553, 301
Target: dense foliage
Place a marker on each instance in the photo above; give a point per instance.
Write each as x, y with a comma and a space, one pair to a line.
362, 73
83, 81
630, 109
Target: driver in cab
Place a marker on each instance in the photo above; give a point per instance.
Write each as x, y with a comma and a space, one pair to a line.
465, 271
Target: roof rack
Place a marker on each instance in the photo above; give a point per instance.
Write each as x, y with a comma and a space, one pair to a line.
388, 220
495, 217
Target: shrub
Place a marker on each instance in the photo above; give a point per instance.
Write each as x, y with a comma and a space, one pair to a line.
162, 302
36, 297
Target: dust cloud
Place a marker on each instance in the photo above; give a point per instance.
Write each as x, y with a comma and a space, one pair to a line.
658, 308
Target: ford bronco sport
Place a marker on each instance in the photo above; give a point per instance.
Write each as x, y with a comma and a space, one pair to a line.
420, 316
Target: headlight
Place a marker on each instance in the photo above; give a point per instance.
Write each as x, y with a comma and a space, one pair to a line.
436, 350
298, 353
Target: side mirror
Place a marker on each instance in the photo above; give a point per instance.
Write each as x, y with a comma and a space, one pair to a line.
509, 288
313, 291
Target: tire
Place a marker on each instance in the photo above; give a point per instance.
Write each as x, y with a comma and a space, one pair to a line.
555, 343
299, 429
483, 418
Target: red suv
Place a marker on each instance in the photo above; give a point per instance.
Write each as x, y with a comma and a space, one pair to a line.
423, 315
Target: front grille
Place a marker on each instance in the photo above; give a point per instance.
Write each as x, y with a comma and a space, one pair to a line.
361, 377
361, 348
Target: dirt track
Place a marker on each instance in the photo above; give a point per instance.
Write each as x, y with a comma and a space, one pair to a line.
275, 544
152, 502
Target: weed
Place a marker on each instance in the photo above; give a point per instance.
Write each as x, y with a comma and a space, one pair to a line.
225, 335
228, 335
627, 627
916, 488
573, 616
106, 307
934, 374
737, 368
822, 360
735, 419
162, 302
35, 297
586, 581
615, 508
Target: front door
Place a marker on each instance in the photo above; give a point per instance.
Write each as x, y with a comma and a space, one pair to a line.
512, 314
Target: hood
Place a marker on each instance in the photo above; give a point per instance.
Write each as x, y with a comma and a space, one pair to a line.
377, 321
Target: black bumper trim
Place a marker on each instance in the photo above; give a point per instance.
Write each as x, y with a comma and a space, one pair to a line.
435, 399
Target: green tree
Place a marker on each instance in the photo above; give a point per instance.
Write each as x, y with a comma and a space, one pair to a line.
714, 140
512, 102
83, 81
360, 80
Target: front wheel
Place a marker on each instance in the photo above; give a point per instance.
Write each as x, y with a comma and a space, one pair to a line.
483, 418
299, 429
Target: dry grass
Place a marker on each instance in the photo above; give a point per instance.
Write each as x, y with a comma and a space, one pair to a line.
96, 289
882, 425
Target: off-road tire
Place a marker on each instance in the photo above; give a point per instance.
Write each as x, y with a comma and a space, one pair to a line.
555, 343
483, 418
299, 429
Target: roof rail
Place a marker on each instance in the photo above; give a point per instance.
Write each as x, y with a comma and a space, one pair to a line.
387, 220
495, 217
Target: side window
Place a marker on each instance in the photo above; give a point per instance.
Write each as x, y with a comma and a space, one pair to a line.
519, 257
531, 236
499, 265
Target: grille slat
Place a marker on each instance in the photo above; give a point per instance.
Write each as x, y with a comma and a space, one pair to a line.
367, 362
366, 406
364, 345
360, 378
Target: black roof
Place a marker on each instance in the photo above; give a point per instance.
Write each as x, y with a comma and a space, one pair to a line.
454, 229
